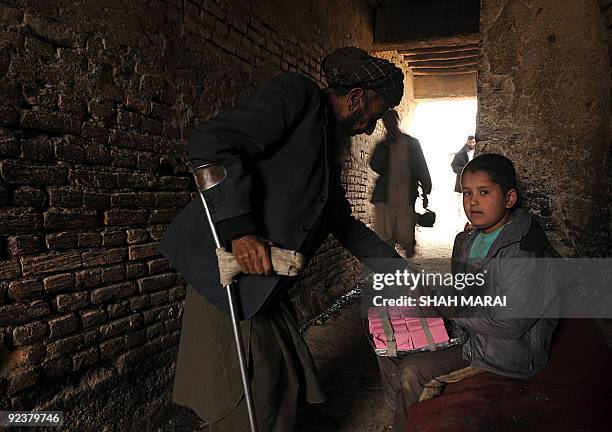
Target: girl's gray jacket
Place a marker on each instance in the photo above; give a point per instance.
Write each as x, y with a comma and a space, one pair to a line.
513, 340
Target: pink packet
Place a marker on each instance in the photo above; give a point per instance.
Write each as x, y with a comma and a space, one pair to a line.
374, 323
377, 327
415, 324
419, 340
402, 341
380, 341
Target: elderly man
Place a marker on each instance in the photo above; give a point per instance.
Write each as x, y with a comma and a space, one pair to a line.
283, 185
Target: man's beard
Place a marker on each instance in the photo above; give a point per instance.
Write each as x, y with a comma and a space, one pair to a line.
345, 130
348, 125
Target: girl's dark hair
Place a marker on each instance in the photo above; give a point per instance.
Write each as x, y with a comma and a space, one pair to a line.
498, 167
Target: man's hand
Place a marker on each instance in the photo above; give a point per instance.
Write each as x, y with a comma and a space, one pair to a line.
253, 255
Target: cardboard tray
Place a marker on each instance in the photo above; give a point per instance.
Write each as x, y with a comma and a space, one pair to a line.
456, 337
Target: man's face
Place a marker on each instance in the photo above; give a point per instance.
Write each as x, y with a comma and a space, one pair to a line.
364, 108
485, 204
471, 143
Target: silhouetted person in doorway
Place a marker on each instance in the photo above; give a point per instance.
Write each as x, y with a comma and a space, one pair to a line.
401, 166
462, 157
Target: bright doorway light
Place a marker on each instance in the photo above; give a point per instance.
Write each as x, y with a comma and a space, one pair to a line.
442, 127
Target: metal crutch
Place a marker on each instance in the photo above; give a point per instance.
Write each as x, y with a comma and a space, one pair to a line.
208, 176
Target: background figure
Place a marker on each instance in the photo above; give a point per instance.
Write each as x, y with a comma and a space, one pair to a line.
462, 157
401, 166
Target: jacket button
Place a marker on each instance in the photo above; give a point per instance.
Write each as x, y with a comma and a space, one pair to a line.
322, 198
305, 228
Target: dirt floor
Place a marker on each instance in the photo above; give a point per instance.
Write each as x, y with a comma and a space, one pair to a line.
349, 372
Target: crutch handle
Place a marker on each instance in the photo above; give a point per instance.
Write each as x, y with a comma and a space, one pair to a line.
285, 262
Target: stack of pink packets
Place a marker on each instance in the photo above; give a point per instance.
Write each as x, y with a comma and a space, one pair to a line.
408, 332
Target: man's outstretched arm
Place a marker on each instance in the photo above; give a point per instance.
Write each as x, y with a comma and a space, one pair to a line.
354, 235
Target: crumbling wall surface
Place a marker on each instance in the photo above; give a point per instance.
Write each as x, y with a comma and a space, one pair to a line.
543, 97
98, 100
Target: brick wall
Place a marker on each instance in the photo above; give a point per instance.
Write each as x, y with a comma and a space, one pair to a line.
98, 99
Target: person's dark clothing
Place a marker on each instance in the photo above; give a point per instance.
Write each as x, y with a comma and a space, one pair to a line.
459, 161
283, 372
419, 173
282, 184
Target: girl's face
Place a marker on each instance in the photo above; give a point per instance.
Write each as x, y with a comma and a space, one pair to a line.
486, 206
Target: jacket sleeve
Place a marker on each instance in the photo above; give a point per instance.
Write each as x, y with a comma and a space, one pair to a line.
355, 236
458, 162
525, 284
421, 171
379, 159
256, 125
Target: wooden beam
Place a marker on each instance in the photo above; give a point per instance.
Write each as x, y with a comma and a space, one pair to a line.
442, 56
444, 86
456, 40
410, 20
440, 49
444, 64
451, 71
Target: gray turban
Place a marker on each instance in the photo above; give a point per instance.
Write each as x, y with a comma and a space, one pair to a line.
351, 67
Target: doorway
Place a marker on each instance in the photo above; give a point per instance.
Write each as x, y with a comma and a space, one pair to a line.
442, 127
